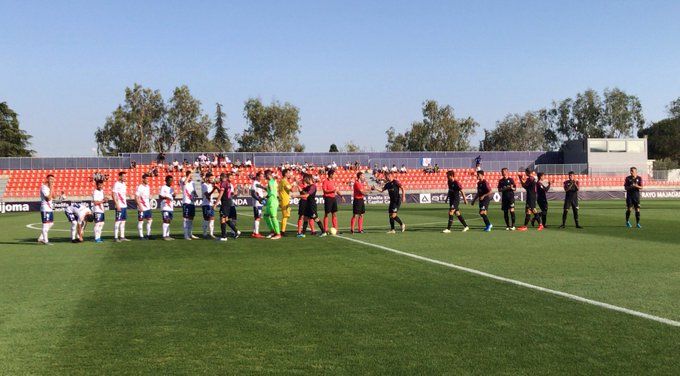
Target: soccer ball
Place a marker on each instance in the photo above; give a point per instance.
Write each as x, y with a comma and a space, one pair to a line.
334, 231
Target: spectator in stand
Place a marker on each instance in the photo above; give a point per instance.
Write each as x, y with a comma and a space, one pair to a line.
403, 170
234, 170
154, 170
248, 163
227, 160
334, 165
133, 164
238, 163
347, 166
175, 165
394, 168
384, 169
98, 176
356, 166
436, 168
478, 163
160, 159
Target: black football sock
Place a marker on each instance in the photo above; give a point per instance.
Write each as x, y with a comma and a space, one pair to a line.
486, 219
304, 225
512, 218
627, 215
223, 227
448, 226
564, 216
576, 216
321, 227
391, 223
462, 220
537, 217
527, 218
232, 226
544, 217
506, 216
637, 217
398, 220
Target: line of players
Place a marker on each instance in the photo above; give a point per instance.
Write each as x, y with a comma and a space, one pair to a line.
271, 194
536, 208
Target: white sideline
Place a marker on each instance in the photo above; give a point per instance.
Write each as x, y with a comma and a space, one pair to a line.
520, 283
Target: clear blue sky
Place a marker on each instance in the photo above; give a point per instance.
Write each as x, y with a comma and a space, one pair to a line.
354, 68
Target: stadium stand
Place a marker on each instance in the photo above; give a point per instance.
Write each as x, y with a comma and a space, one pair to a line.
24, 184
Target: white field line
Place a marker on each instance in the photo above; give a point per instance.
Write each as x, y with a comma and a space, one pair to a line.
522, 284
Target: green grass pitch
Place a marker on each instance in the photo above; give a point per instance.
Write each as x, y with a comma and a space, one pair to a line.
334, 306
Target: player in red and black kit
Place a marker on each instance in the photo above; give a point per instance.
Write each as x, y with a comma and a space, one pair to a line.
453, 197
397, 195
330, 201
531, 187
309, 194
633, 185
507, 187
484, 196
571, 188
358, 204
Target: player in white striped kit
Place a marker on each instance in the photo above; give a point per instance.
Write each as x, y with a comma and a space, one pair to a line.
143, 198
98, 199
120, 200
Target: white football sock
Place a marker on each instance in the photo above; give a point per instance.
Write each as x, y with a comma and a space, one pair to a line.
256, 228
122, 229
140, 228
45, 230
116, 226
148, 227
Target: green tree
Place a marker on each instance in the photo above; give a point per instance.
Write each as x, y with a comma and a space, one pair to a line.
663, 139
14, 141
133, 125
518, 132
333, 148
587, 111
621, 115
221, 139
673, 108
439, 130
186, 128
351, 147
615, 114
270, 128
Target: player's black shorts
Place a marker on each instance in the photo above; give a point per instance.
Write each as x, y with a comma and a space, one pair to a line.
531, 202
394, 207
570, 202
310, 210
302, 206
543, 204
507, 203
633, 200
225, 208
330, 204
484, 204
454, 202
358, 206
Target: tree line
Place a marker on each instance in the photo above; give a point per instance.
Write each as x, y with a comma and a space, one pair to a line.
145, 122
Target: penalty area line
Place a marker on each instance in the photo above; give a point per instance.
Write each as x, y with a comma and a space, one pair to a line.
573, 297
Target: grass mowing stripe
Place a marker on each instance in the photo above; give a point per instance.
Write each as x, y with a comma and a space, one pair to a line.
577, 298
